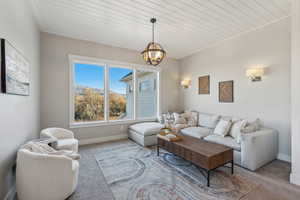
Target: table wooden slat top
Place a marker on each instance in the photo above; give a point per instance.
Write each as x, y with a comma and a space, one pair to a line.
203, 147
207, 155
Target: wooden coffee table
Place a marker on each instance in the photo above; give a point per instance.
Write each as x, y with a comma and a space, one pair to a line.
204, 154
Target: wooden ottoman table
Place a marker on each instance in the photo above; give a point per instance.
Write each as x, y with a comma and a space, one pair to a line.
204, 154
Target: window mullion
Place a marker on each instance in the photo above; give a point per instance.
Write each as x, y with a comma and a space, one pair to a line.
134, 95
106, 93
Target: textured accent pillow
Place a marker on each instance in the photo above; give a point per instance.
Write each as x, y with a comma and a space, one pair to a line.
191, 117
252, 127
236, 129
179, 118
223, 127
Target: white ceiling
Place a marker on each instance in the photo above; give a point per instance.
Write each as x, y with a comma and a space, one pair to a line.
183, 27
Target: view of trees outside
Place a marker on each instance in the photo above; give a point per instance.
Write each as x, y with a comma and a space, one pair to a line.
120, 95
89, 105
89, 93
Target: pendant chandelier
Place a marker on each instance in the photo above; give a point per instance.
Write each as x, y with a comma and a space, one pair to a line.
154, 53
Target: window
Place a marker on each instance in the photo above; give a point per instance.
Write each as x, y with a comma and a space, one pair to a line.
109, 92
120, 93
89, 93
147, 94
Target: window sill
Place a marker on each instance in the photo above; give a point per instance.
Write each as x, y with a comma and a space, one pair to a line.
105, 123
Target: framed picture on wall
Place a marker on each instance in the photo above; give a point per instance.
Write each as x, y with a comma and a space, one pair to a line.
204, 85
226, 91
15, 76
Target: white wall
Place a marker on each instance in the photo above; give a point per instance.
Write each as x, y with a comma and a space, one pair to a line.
268, 100
295, 92
55, 81
19, 115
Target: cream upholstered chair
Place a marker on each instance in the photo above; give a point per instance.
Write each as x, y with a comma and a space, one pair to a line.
64, 138
45, 177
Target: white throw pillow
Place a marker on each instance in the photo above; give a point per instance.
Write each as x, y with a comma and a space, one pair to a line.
236, 129
223, 127
252, 127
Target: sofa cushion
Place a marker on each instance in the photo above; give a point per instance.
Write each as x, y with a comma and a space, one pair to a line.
227, 141
208, 120
147, 128
197, 132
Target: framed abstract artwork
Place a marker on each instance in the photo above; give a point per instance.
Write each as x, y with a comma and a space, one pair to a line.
15, 76
226, 91
204, 85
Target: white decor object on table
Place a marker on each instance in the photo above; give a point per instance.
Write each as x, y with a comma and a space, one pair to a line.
43, 175
65, 138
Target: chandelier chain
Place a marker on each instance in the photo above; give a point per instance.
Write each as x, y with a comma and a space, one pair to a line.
153, 32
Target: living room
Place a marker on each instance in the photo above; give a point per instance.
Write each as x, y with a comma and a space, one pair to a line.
213, 113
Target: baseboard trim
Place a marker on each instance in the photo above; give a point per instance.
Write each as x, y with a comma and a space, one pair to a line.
295, 178
11, 194
102, 139
284, 157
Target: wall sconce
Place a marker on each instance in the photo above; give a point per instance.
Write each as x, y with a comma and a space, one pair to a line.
185, 83
255, 74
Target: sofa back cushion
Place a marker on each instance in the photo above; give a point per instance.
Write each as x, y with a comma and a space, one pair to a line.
208, 120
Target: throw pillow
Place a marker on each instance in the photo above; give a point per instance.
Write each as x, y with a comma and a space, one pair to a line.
179, 118
236, 130
223, 127
191, 118
252, 127
161, 119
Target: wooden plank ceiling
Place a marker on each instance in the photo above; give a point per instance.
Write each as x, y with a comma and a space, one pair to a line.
183, 26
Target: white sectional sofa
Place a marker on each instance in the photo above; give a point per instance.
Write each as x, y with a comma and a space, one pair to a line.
254, 149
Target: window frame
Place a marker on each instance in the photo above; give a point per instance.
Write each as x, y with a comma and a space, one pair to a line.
107, 64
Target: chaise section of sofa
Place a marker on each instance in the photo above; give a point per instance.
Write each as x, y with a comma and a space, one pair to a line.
145, 133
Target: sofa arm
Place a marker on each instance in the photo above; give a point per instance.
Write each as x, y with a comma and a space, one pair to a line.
259, 148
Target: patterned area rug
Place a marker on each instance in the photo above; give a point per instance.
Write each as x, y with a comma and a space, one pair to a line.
133, 172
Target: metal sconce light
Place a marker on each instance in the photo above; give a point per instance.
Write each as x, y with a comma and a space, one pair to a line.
185, 83
255, 74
